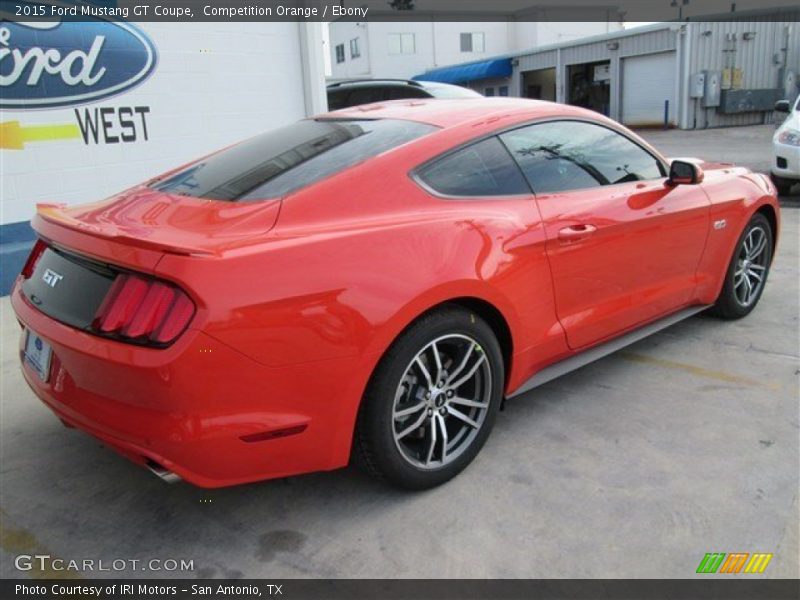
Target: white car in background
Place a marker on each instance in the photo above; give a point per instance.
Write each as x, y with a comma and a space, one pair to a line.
786, 148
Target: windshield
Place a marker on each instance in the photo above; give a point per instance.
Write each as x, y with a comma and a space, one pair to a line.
284, 160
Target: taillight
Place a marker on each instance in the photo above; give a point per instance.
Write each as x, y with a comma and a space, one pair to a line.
143, 310
33, 258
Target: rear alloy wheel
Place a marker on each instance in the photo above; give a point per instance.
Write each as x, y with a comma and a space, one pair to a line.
748, 270
432, 401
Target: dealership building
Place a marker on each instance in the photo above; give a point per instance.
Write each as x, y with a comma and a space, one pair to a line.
401, 49
138, 100
690, 75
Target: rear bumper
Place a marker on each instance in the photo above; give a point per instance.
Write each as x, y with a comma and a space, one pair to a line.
187, 407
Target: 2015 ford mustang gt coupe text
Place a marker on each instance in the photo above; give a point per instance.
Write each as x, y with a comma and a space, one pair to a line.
373, 282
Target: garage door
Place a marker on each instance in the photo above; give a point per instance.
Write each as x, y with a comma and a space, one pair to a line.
647, 81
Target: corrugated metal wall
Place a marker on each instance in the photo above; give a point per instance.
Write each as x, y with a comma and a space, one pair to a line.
707, 45
647, 42
540, 60
695, 50
651, 100
644, 43
532, 62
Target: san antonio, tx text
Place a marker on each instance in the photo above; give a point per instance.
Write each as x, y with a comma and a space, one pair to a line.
136, 589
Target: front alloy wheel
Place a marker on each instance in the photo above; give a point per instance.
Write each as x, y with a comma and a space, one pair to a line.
748, 270
432, 400
751, 265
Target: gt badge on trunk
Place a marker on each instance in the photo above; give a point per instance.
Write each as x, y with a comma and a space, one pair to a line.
51, 278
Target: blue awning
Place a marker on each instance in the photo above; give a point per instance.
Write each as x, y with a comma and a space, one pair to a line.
499, 67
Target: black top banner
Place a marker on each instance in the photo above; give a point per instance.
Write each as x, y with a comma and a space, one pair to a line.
50, 11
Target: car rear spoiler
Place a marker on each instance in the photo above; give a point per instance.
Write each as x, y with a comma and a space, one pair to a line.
54, 213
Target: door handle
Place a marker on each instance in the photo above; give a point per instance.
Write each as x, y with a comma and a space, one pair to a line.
573, 233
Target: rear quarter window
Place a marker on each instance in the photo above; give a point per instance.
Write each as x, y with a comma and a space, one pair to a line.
282, 161
484, 168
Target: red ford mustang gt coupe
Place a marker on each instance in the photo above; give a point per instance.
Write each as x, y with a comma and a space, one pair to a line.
372, 283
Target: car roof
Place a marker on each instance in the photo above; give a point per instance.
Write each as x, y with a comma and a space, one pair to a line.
447, 113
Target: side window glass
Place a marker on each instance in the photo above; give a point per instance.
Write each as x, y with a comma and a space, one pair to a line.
397, 92
364, 95
337, 100
568, 155
481, 169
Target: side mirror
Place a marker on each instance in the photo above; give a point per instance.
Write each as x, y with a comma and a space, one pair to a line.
684, 173
782, 106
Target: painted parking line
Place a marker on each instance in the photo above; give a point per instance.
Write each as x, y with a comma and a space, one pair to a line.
697, 371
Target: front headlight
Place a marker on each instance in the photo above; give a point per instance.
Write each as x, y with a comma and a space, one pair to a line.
790, 137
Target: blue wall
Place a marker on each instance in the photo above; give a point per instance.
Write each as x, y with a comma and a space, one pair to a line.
16, 241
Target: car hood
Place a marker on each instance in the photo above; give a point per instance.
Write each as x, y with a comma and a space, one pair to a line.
172, 223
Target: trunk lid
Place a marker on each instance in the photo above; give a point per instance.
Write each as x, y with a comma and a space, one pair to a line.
159, 221
67, 287
84, 250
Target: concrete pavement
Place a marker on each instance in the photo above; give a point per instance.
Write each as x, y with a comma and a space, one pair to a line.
747, 146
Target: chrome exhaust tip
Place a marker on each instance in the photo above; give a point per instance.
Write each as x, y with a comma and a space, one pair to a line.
162, 473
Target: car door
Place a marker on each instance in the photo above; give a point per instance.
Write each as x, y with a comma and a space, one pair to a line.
497, 238
623, 245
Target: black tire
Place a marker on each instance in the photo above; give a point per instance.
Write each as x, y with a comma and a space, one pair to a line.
375, 448
784, 186
729, 305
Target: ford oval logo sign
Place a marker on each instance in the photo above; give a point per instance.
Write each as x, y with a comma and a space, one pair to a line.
46, 64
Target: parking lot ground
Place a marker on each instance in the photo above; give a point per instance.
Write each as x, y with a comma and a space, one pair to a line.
634, 466
747, 146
